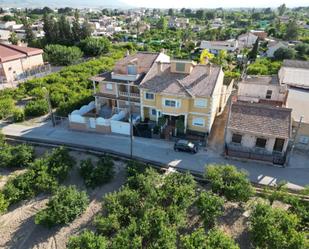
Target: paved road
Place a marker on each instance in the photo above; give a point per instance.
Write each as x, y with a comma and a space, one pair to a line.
162, 152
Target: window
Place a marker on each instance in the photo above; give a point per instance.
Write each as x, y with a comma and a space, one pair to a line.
260, 142
303, 139
180, 67
109, 86
132, 70
171, 103
202, 103
268, 94
236, 138
149, 96
153, 112
198, 122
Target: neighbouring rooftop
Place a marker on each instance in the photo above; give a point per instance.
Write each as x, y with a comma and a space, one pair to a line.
261, 80
260, 119
13, 52
296, 64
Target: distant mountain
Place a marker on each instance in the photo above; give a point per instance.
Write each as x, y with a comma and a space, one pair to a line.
64, 3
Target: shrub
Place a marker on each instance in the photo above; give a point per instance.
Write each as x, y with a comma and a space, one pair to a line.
210, 207
134, 168
36, 108
19, 156
97, 175
22, 156
284, 53
275, 228
217, 239
3, 203
43, 174
62, 55
229, 182
5, 156
196, 239
87, 240
6, 107
18, 115
63, 207
59, 163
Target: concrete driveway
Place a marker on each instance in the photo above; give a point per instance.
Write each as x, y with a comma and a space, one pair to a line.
162, 152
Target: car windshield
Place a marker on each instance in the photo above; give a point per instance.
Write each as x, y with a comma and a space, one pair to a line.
191, 145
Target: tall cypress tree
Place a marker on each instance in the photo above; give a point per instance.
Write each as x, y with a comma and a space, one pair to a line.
254, 52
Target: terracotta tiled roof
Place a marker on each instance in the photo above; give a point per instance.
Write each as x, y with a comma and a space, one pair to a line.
200, 82
143, 60
260, 119
13, 52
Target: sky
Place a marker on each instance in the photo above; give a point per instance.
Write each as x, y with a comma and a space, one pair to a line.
214, 3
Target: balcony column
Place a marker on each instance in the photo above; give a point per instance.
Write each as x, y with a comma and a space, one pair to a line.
185, 123
142, 113
116, 88
157, 116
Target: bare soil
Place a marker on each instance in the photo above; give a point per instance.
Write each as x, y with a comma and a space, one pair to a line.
17, 227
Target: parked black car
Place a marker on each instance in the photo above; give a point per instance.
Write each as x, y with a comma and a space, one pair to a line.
185, 145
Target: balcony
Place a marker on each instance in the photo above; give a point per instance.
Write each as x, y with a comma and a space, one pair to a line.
124, 77
132, 95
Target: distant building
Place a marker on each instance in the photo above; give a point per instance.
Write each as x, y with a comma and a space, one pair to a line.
247, 39
215, 46
273, 46
262, 89
175, 22
4, 36
16, 61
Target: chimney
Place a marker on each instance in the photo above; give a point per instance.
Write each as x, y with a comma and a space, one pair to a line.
159, 67
127, 53
208, 69
206, 60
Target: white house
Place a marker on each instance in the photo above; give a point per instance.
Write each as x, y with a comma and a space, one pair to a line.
215, 46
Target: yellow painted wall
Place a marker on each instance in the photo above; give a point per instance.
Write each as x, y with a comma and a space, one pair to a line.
190, 126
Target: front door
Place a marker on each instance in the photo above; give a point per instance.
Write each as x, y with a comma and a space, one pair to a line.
279, 143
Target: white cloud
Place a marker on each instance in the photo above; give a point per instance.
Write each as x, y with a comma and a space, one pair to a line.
215, 3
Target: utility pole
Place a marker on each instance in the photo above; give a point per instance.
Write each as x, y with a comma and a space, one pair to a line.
49, 106
131, 120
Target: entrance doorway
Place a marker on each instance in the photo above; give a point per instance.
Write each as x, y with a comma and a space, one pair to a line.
279, 144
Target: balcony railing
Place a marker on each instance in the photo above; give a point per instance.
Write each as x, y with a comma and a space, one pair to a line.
132, 95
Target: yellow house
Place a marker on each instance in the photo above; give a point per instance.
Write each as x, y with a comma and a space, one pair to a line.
183, 90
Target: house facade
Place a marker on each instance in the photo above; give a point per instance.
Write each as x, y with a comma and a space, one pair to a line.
15, 61
182, 91
258, 131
